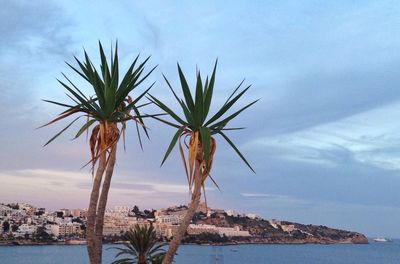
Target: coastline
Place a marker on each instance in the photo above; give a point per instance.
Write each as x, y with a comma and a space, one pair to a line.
232, 254
232, 243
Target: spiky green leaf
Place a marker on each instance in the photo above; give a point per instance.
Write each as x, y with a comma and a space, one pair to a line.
186, 90
166, 109
172, 144
221, 124
85, 127
206, 142
198, 111
226, 107
62, 131
236, 150
209, 92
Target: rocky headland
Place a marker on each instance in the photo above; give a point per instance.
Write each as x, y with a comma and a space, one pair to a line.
273, 232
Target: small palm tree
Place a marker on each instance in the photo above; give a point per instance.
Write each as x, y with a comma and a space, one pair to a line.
108, 109
142, 247
197, 131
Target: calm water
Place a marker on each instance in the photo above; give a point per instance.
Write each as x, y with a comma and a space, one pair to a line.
374, 253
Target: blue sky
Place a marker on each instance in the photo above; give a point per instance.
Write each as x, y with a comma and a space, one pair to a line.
323, 139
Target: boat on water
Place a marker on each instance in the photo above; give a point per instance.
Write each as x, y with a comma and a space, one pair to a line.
382, 239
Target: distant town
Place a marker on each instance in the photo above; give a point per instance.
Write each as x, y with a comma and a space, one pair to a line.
23, 223
27, 222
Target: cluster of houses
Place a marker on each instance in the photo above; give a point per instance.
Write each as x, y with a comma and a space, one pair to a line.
24, 220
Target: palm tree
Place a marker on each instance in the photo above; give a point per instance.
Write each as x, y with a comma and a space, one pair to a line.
197, 131
109, 109
142, 247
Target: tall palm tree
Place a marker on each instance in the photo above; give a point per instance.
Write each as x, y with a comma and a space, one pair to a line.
142, 247
108, 109
197, 132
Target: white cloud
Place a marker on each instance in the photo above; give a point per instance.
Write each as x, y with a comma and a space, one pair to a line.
72, 188
370, 137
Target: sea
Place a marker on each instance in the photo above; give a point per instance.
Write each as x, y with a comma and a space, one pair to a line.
372, 253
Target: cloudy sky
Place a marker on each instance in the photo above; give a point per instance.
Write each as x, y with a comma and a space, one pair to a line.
324, 138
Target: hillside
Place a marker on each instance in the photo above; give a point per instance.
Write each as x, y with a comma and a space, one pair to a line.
274, 231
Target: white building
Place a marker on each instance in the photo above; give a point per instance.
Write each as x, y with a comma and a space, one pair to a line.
166, 230
18, 215
199, 229
232, 212
66, 212
118, 225
232, 232
76, 212
252, 216
53, 230
50, 218
170, 219
25, 229
29, 209
69, 229
121, 209
227, 231
116, 214
288, 228
5, 210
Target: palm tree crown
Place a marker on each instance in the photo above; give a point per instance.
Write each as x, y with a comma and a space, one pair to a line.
109, 106
141, 248
197, 127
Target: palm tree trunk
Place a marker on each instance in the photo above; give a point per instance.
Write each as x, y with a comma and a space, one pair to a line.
91, 216
99, 224
173, 246
142, 259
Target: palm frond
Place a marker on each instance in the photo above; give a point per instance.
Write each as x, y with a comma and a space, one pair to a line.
196, 125
110, 105
142, 244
